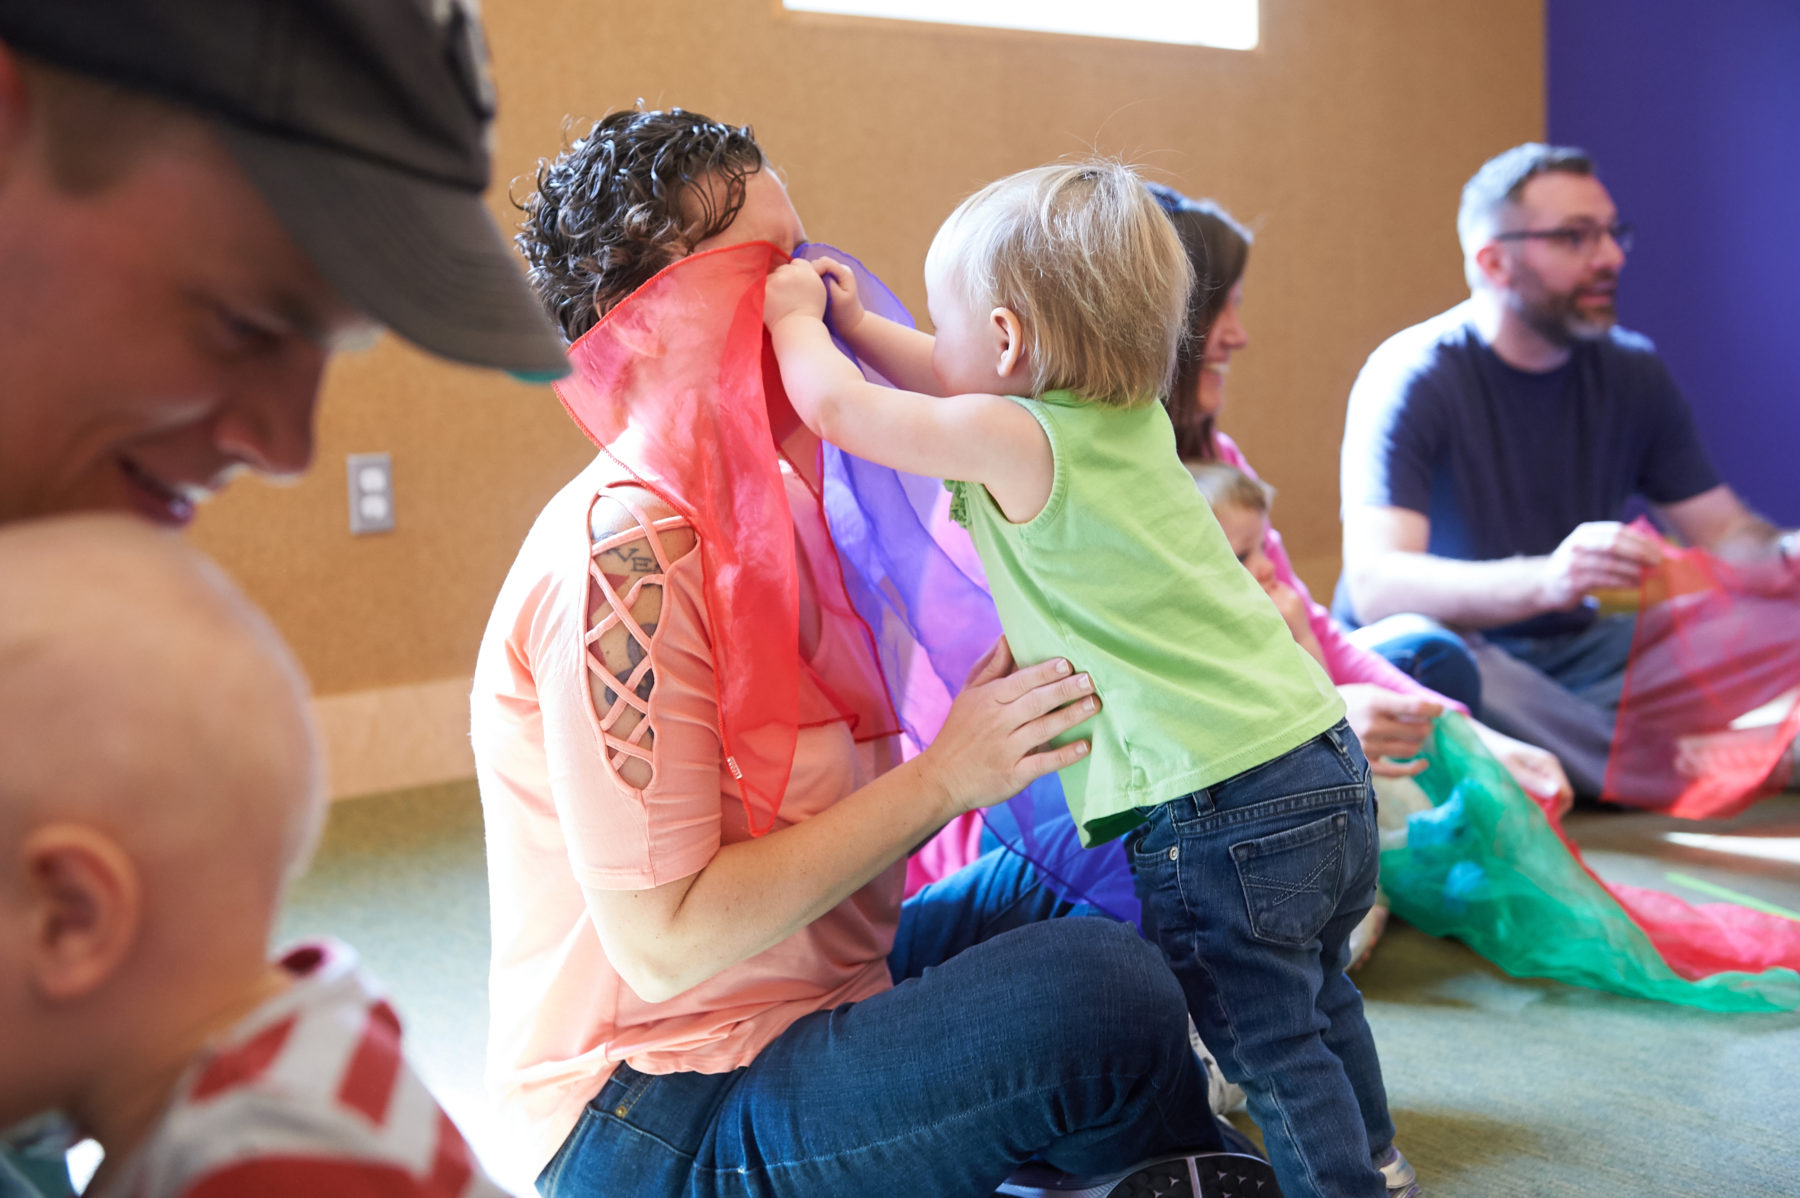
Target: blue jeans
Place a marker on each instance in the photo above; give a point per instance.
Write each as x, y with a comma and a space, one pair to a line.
1251, 888
1009, 1034
1559, 692
1428, 653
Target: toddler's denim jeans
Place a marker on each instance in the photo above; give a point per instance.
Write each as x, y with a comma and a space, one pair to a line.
1008, 1034
1251, 888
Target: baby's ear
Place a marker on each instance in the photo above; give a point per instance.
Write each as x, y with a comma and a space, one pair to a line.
1008, 335
85, 904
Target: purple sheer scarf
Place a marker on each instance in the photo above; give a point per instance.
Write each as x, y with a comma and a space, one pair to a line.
915, 579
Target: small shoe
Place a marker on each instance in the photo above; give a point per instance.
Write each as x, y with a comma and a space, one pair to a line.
1184, 1175
1221, 1095
1397, 1171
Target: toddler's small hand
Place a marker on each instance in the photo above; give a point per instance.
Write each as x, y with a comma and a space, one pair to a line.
847, 308
793, 289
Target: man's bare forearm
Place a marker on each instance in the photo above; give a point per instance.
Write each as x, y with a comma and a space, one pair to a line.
1753, 540
1459, 593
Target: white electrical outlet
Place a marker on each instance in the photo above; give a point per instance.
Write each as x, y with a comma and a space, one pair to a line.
371, 493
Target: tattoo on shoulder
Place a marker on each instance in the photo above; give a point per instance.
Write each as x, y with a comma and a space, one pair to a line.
623, 563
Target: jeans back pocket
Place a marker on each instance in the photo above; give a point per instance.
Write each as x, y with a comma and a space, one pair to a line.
1292, 880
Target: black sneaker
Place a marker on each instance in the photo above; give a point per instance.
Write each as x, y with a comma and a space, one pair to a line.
1190, 1175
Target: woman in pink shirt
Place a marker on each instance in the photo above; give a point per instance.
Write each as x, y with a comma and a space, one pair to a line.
1390, 710
703, 980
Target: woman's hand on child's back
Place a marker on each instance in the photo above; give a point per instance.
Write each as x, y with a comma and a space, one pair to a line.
793, 289
991, 744
840, 285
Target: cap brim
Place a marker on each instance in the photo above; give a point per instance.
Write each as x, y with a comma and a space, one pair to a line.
424, 258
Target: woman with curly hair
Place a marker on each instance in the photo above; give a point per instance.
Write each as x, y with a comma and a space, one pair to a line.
703, 979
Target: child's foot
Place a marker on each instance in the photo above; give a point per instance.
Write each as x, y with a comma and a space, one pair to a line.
1222, 1096
1366, 933
1397, 1171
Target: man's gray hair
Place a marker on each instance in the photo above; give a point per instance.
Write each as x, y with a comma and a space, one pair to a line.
1496, 186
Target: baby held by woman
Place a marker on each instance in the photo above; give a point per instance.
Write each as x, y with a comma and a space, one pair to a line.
1058, 296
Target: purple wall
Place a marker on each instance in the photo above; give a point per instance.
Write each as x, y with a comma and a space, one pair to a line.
1692, 113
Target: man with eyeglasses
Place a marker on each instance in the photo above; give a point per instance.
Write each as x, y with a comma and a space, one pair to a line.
1490, 453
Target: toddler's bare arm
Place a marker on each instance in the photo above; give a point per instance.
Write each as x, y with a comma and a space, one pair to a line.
985, 439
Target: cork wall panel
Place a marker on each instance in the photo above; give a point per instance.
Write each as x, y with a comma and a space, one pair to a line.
1343, 140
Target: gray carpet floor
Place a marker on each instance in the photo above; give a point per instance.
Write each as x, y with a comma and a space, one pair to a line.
1500, 1086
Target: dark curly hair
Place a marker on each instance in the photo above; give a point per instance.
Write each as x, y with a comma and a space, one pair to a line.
620, 204
1218, 248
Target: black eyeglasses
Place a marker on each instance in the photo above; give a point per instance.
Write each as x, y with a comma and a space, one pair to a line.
1581, 240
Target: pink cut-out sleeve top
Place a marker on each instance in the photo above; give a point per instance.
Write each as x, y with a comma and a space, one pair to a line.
562, 823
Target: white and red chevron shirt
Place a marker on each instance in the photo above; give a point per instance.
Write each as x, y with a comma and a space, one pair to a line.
310, 1096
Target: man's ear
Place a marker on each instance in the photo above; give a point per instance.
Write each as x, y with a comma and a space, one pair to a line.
1008, 331
86, 904
1494, 266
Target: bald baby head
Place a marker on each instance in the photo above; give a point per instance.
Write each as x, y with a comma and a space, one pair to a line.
141, 692
161, 784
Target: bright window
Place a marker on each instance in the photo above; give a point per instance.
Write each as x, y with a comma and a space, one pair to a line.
1229, 24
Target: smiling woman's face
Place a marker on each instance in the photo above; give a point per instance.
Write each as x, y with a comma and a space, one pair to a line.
1226, 336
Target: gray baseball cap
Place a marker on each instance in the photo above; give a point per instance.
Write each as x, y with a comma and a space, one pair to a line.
364, 123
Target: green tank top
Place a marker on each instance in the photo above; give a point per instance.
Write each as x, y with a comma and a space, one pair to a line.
1127, 574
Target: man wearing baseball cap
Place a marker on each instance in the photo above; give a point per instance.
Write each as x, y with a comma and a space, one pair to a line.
200, 200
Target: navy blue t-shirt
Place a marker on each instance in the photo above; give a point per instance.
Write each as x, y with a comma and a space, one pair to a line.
1505, 462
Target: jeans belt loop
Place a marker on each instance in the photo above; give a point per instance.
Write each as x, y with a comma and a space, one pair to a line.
1336, 735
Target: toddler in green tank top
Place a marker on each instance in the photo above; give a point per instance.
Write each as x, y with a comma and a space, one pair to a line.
1058, 297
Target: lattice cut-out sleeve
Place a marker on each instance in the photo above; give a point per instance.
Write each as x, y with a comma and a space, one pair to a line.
628, 578
621, 654
553, 753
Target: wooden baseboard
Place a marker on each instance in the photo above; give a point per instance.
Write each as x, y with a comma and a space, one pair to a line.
396, 737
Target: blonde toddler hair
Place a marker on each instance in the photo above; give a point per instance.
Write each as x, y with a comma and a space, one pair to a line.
1084, 256
1228, 487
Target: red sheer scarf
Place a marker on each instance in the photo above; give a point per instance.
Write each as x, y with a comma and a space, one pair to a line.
1713, 642
678, 385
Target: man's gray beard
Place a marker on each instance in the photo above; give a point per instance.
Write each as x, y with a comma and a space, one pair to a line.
1558, 322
